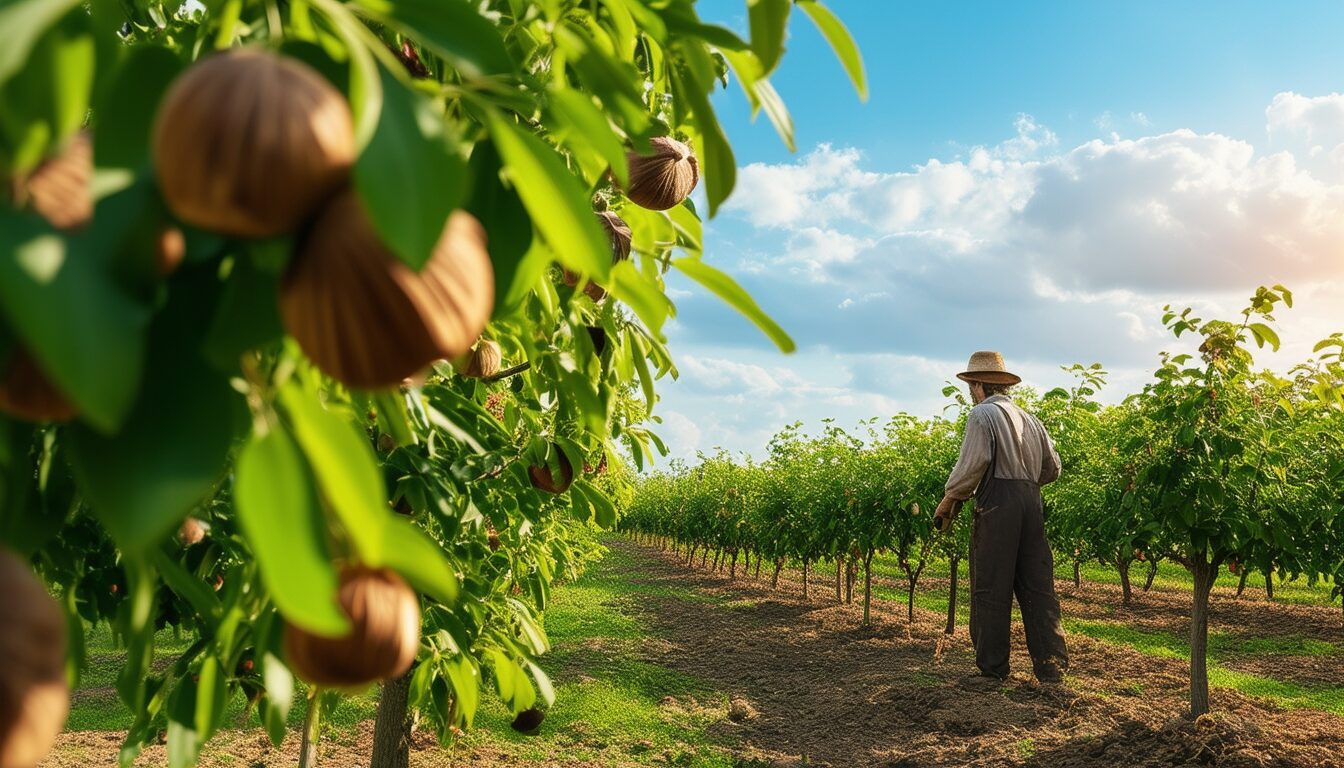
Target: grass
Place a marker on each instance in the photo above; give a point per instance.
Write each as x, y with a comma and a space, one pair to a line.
608, 706
1170, 646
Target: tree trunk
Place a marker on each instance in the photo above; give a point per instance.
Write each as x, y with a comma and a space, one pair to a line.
910, 603
1152, 574
1241, 583
867, 587
392, 729
774, 580
758, 565
804, 578
1123, 566
1269, 586
851, 575
839, 568
732, 570
1077, 574
704, 556
717, 554
1204, 574
311, 725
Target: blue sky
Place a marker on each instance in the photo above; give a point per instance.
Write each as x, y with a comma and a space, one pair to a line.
1038, 178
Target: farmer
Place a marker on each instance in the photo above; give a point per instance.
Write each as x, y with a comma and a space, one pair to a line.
1006, 456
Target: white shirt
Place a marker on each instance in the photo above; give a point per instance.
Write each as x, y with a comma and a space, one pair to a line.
1025, 450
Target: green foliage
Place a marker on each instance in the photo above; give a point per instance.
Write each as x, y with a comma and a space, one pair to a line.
190, 396
1212, 462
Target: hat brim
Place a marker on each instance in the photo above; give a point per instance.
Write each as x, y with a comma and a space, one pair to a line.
990, 377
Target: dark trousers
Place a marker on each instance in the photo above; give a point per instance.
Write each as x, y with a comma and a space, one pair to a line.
1009, 556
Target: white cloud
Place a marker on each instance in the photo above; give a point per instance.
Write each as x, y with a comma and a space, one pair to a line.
1054, 255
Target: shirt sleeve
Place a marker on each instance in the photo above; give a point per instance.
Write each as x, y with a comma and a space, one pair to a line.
1050, 466
974, 458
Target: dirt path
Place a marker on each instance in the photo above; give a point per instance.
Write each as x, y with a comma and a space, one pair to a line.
826, 691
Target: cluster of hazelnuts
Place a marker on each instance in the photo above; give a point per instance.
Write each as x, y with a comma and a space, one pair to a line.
251, 144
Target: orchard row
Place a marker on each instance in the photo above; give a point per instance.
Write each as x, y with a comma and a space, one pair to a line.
1215, 463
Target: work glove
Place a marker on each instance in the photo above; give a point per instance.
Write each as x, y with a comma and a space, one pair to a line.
945, 513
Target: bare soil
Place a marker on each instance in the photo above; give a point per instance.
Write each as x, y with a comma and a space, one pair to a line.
808, 686
827, 691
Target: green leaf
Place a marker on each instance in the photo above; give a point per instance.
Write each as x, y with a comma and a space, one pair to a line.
733, 295
507, 226
636, 290
343, 463
637, 355
1264, 335
835, 33
761, 94
24, 21
277, 509
465, 679
125, 116
279, 682
247, 315
557, 203
408, 179
169, 454
366, 90
59, 298
194, 590
577, 116
717, 165
184, 741
769, 21
413, 554
681, 18
450, 28
211, 697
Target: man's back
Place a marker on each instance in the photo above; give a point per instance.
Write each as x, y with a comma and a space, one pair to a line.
1024, 449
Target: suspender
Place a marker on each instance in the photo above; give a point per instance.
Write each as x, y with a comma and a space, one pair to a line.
1017, 438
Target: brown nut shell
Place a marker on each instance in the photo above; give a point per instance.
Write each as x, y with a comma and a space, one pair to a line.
483, 361
620, 237
384, 636
191, 532
60, 188
27, 393
34, 696
368, 320
249, 143
664, 178
542, 478
170, 247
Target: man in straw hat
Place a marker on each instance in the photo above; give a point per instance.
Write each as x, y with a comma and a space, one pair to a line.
1006, 456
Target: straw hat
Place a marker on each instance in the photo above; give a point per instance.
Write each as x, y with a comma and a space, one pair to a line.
988, 368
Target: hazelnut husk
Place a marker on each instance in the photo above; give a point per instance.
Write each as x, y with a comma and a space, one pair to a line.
543, 479
27, 393
620, 237
249, 143
59, 189
492, 540
664, 178
191, 532
528, 721
483, 361
368, 320
34, 695
384, 635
